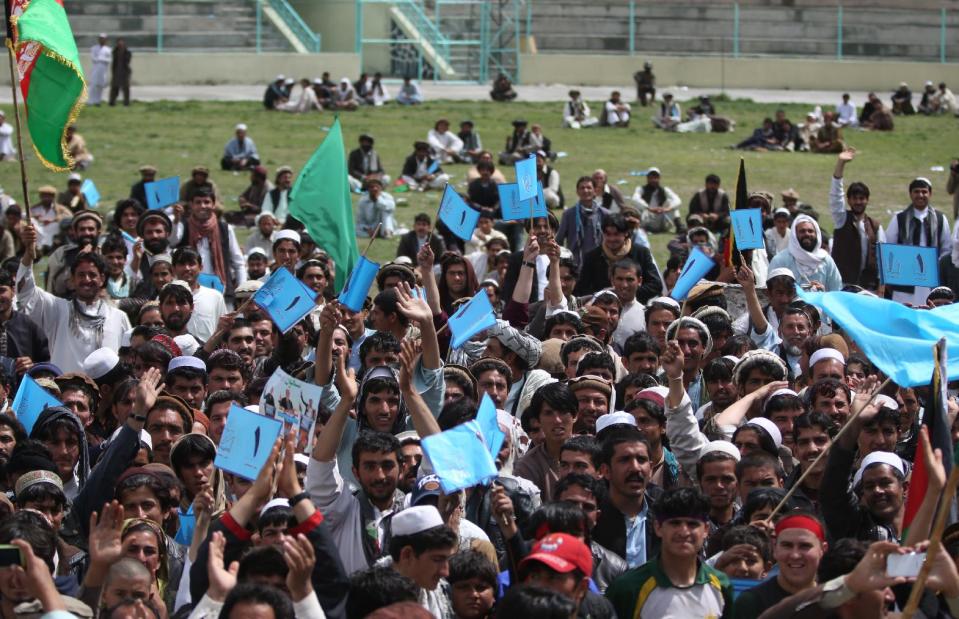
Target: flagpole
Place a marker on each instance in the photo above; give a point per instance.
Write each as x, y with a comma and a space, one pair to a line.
815, 462
14, 86
376, 231
935, 543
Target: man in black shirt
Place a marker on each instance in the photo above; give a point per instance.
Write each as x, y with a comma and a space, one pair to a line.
482, 191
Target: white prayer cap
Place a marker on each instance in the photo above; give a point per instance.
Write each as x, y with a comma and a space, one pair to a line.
416, 519
187, 343
928, 83
256, 251
609, 419
248, 288
720, 447
603, 293
240, 127
74, 177
181, 284
274, 503
653, 170
301, 459
286, 235
769, 427
99, 363
671, 302
403, 260
878, 457
781, 392
782, 210
882, 400
688, 322
826, 353
159, 258
409, 436
317, 81
780, 272
344, 80
289, 81
732, 358
186, 361
280, 78
102, 35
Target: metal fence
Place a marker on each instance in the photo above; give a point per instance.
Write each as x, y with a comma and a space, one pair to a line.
731, 28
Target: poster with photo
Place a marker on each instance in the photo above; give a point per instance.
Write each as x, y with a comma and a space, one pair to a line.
295, 403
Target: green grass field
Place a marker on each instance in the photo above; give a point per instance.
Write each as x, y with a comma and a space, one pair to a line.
176, 136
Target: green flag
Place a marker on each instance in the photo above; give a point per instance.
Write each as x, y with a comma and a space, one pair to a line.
320, 198
51, 77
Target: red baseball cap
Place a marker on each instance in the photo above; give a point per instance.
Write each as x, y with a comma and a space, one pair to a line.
562, 553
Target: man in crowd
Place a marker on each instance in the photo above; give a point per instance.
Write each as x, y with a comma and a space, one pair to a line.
240, 152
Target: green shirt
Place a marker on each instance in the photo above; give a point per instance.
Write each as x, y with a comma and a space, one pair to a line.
647, 593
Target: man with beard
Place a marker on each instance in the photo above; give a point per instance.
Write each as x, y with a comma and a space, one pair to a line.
154, 227
176, 307
616, 246
805, 257
580, 227
375, 465
854, 229
712, 203
795, 326
592, 394
625, 524
11, 433
658, 205
85, 230
213, 240
75, 328
364, 164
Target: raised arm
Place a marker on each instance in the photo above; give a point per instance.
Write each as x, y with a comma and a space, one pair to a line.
329, 440
744, 276
734, 414
919, 528
524, 283
418, 310
554, 286
425, 259
330, 316
837, 197
424, 422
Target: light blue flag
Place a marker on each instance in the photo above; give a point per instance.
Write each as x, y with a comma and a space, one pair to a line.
286, 299
358, 286
698, 264
163, 192
30, 401
472, 317
89, 190
486, 418
433, 167
908, 265
457, 214
897, 339
210, 280
513, 208
748, 228
129, 238
460, 457
526, 178
246, 442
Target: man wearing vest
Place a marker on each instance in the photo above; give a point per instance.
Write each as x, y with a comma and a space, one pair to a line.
856, 234
919, 224
713, 204
275, 201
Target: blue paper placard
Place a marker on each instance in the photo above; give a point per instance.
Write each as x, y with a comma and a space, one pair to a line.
908, 265
748, 228
460, 457
526, 178
210, 280
162, 193
358, 286
129, 238
489, 425
433, 167
457, 214
285, 298
89, 190
246, 443
30, 401
472, 317
513, 208
697, 265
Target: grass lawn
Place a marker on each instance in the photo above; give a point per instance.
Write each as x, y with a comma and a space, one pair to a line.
176, 136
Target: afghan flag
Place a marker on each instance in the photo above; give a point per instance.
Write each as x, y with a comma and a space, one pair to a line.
51, 78
320, 198
730, 255
936, 420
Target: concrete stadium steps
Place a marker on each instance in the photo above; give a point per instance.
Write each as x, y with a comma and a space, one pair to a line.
188, 25
769, 28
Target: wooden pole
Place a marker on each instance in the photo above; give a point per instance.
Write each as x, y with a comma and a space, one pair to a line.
815, 462
376, 231
14, 87
935, 542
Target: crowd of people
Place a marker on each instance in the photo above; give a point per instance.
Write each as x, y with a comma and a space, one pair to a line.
649, 445
346, 96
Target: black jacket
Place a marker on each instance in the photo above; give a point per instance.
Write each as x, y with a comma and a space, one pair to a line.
594, 274
409, 246
610, 529
844, 515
